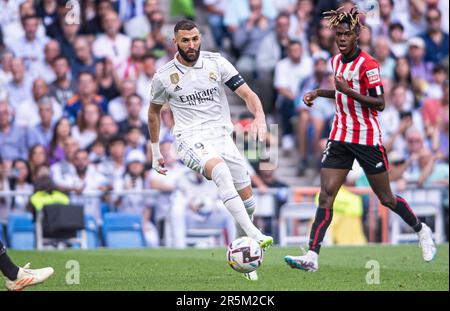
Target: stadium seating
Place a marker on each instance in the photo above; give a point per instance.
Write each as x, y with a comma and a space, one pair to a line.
91, 231
294, 212
425, 203
122, 230
20, 231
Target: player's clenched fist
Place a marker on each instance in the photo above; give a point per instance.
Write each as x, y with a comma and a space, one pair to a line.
157, 159
310, 97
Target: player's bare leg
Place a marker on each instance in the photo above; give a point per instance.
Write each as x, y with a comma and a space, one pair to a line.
217, 170
331, 181
381, 187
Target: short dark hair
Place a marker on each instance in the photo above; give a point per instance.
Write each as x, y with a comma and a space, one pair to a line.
294, 42
148, 55
60, 57
184, 24
82, 73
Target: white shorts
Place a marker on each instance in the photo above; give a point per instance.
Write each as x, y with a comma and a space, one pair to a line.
195, 152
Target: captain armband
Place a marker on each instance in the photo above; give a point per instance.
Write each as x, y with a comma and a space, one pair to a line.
235, 82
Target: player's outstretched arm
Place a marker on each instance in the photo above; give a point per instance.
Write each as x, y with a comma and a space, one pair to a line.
154, 121
309, 97
259, 127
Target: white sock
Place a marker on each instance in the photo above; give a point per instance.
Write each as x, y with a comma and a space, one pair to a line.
250, 206
221, 176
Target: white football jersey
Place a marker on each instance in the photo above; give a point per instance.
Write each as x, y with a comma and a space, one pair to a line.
196, 94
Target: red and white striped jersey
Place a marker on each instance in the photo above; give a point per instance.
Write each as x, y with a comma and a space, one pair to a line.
352, 122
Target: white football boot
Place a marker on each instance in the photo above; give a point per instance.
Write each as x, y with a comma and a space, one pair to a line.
308, 262
426, 243
252, 276
28, 277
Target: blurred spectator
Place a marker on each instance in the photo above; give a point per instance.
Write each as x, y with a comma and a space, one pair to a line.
129, 9
145, 79
436, 41
13, 138
37, 156
434, 110
84, 59
113, 168
107, 129
140, 26
135, 140
87, 180
97, 152
85, 131
414, 19
196, 205
418, 164
301, 21
93, 25
13, 30
397, 40
384, 58
68, 37
420, 68
322, 39
397, 119
134, 179
117, 107
42, 132
133, 104
112, 44
215, 16
166, 185
29, 47
106, 78
19, 89
248, 38
273, 48
44, 69
27, 112
160, 34
64, 87
55, 149
238, 11
381, 22
47, 11
323, 112
20, 180
87, 94
6, 75
434, 89
289, 74
132, 67
63, 172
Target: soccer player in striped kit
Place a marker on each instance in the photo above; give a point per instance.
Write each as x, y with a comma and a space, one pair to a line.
355, 134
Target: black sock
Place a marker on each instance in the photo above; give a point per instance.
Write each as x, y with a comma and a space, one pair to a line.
319, 227
8, 268
403, 209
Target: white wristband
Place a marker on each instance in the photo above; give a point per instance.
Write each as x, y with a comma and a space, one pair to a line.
156, 153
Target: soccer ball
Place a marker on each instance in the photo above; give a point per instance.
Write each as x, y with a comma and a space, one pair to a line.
244, 255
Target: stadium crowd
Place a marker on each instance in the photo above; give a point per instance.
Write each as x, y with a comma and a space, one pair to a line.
74, 94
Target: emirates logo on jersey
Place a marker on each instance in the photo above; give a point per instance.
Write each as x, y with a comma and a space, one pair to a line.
199, 97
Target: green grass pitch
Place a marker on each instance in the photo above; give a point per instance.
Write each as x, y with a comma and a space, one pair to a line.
341, 268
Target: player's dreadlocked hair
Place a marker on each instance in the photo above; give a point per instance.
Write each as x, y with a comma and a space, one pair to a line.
352, 18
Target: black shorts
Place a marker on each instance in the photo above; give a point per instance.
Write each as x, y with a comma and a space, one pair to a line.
340, 155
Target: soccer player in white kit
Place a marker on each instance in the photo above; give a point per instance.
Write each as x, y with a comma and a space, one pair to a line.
193, 85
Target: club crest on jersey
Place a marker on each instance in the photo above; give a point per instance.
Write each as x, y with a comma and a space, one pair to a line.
174, 78
212, 76
373, 76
